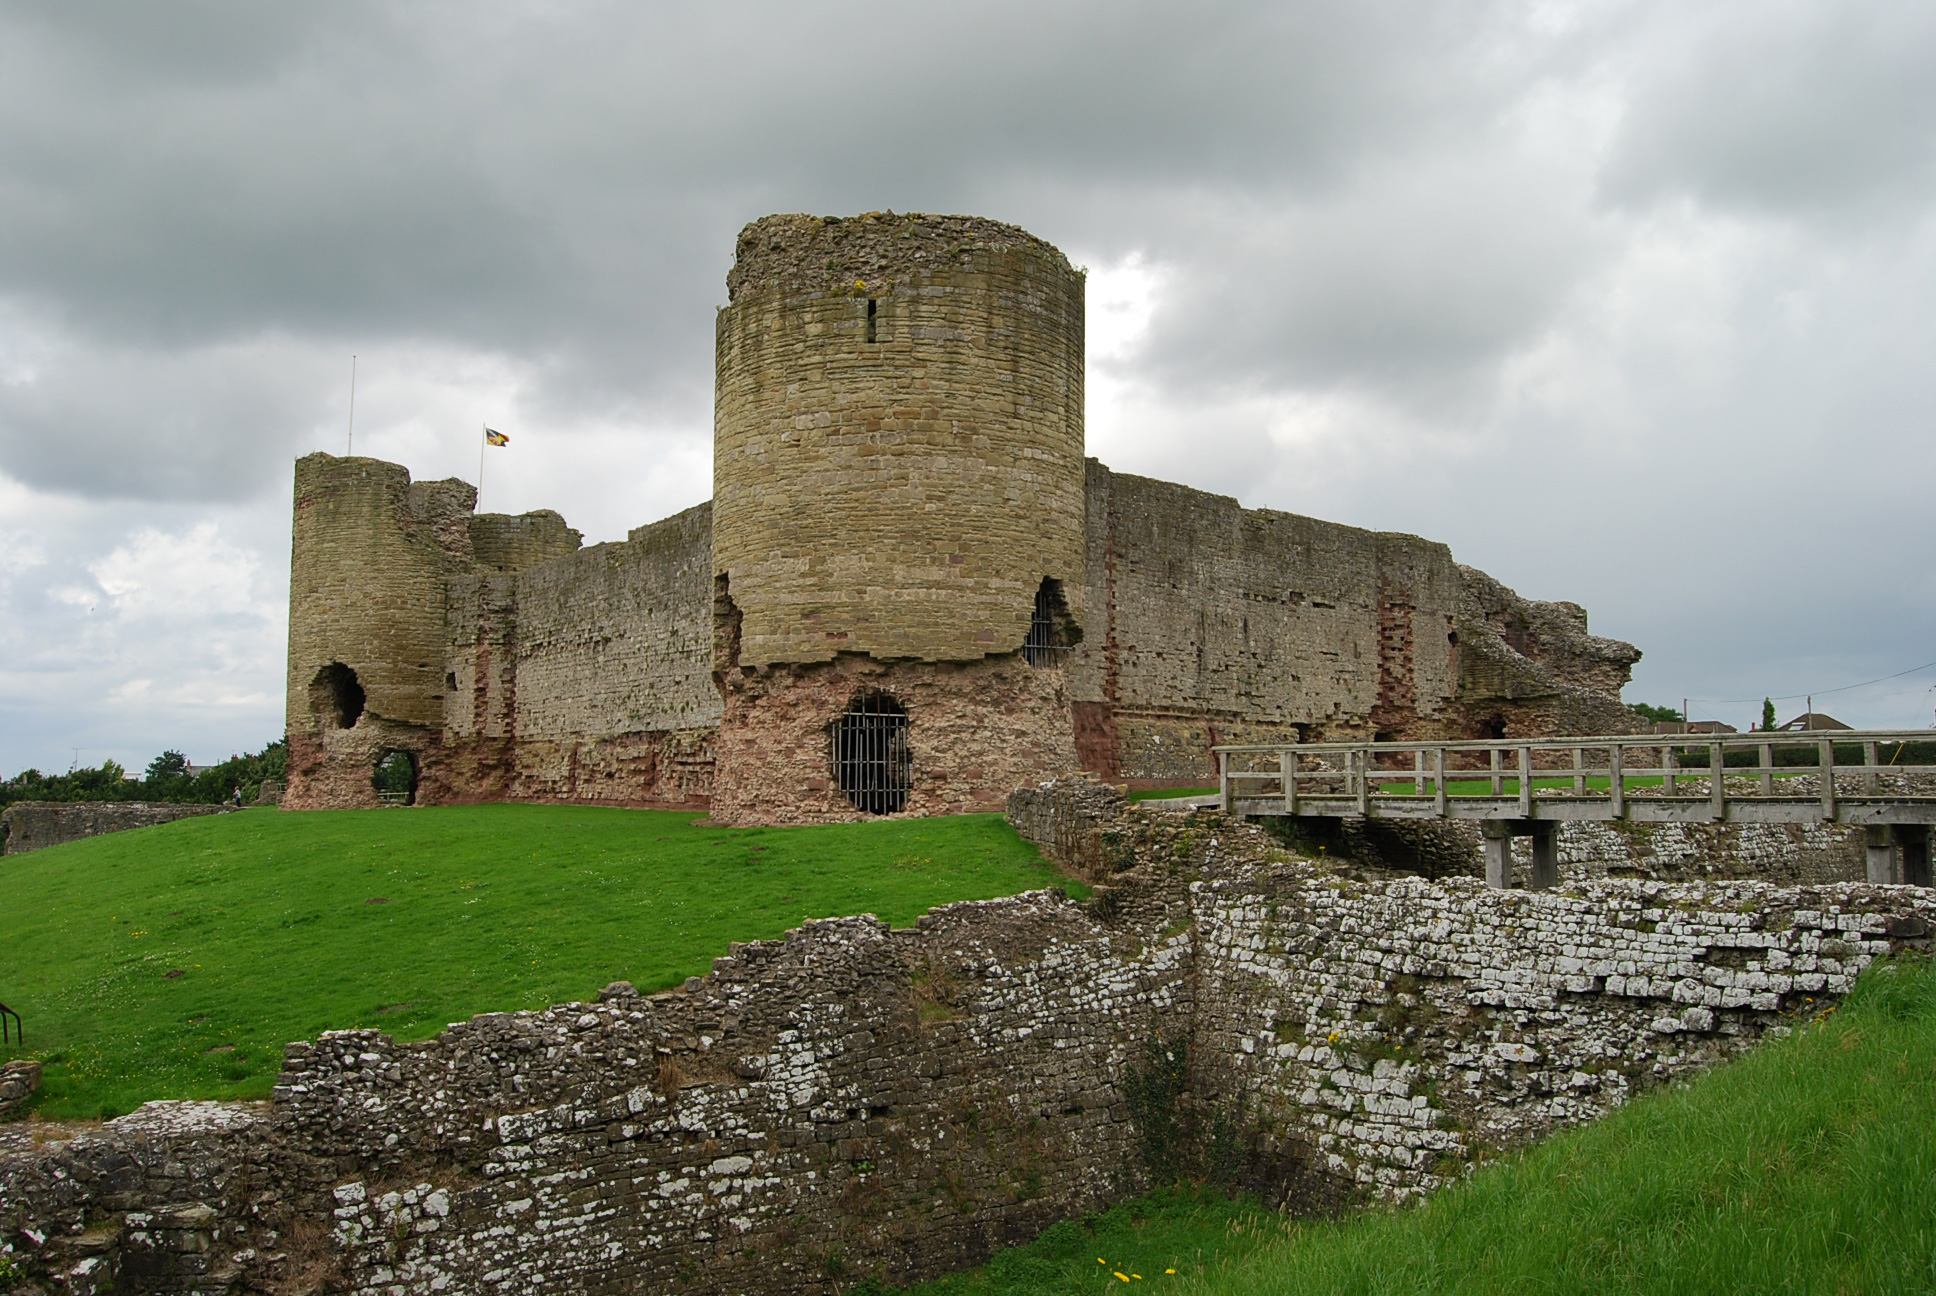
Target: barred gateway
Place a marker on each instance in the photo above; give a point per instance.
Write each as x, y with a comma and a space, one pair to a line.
904, 513
872, 756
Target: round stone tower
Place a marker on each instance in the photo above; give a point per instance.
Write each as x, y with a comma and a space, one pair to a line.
898, 494
898, 457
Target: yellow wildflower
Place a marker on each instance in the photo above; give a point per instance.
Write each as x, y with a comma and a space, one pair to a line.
1120, 1274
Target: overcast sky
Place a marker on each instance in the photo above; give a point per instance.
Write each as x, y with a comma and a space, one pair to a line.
1629, 303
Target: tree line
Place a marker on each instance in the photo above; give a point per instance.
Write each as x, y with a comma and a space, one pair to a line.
166, 779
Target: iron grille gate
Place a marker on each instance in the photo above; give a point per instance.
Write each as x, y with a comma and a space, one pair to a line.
1040, 648
872, 759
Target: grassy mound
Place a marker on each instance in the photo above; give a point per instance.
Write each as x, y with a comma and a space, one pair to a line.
1807, 1166
175, 962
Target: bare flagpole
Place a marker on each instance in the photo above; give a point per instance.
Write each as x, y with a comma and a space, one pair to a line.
350, 448
483, 443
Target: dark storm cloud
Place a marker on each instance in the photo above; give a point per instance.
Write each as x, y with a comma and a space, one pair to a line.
1785, 107
563, 183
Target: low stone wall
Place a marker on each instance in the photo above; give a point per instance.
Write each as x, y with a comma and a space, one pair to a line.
849, 1101
1069, 820
1406, 1028
853, 1101
35, 825
18, 1081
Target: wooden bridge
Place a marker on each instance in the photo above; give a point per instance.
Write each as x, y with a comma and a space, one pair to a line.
1528, 787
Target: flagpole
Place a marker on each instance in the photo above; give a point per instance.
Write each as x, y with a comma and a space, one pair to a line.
483, 443
350, 446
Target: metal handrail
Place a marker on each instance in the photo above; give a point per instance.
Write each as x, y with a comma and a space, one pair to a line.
19, 1027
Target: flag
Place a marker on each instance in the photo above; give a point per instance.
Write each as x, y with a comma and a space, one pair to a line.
496, 438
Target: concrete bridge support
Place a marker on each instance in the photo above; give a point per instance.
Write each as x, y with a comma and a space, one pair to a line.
1899, 854
1498, 834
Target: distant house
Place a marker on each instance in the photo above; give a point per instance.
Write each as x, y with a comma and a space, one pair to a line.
1815, 720
1695, 727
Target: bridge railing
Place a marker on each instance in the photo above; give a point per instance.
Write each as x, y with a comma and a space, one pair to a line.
1511, 778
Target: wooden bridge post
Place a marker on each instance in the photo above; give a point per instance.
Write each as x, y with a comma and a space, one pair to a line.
1418, 772
1717, 768
1525, 782
1825, 760
1879, 839
1579, 778
1364, 782
1223, 781
1498, 844
1546, 856
1616, 781
1287, 778
1767, 769
1438, 780
1670, 760
1498, 784
1871, 777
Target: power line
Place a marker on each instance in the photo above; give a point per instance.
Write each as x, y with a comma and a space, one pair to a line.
1790, 697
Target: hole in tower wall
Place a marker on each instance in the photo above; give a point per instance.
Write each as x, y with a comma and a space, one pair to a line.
873, 761
873, 318
336, 696
727, 619
395, 778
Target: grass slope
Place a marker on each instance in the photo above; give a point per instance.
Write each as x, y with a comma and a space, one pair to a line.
272, 924
1165, 1237
1807, 1166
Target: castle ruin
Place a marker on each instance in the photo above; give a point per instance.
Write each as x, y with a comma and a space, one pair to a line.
911, 592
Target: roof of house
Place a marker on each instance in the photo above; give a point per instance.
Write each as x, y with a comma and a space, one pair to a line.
1815, 720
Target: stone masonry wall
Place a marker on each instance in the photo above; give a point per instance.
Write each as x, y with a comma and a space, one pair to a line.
854, 1101
976, 730
1211, 623
848, 1101
1072, 822
1406, 1028
1591, 851
618, 638
587, 678
898, 449
34, 825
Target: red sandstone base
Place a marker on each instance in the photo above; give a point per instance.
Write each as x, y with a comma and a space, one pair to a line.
978, 731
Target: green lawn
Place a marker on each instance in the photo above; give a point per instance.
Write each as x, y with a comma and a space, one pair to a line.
1165, 1237
175, 962
1807, 1166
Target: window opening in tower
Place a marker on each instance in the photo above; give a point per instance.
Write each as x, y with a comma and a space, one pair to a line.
873, 310
1041, 648
872, 759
